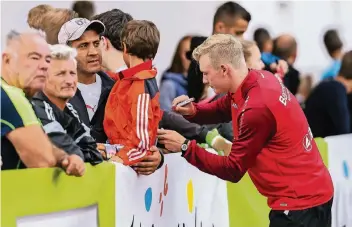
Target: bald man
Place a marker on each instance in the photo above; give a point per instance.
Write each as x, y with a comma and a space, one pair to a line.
25, 63
285, 47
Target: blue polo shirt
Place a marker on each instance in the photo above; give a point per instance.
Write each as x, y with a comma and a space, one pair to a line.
332, 71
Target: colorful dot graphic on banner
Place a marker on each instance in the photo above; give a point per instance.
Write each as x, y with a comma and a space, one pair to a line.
190, 196
346, 170
148, 197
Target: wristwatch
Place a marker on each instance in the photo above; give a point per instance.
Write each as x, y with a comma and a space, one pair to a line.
184, 146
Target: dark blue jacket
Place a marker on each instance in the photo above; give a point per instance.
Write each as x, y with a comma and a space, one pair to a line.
326, 109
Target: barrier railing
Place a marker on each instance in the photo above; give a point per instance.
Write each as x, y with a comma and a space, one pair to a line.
31, 192
178, 194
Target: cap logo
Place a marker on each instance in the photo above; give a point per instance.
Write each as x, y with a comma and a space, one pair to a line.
80, 22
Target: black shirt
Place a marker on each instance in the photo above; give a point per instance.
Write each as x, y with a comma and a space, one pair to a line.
65, 129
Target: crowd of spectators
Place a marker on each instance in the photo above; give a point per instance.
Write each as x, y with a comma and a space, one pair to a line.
81, 87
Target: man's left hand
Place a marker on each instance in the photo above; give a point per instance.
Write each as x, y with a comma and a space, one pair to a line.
149, 163
171, 139
74, 165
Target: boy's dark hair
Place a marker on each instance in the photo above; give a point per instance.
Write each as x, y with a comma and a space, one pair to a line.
332, 41
114, 21
230, 10
346, 66
141, 38
85, 9
260, 36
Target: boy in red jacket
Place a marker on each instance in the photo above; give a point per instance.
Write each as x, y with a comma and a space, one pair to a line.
132, 112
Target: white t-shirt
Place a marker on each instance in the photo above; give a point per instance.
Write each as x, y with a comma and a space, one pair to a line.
91, 94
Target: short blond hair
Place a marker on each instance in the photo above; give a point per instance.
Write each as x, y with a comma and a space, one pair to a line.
221, 48
35, 15
53, 21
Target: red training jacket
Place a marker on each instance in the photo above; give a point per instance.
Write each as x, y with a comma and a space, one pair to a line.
272, 141
132, 112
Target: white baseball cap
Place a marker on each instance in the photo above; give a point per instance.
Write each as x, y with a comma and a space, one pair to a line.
75, 28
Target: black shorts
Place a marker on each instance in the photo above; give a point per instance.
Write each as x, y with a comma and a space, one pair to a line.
319, 216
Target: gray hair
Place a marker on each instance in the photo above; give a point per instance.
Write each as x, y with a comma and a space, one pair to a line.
62, 52
221, 48
15, 35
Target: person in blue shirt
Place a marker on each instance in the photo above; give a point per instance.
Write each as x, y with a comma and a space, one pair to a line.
174, 81
334, 46
327, 106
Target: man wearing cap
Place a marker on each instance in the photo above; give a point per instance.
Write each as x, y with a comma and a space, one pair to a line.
94, 85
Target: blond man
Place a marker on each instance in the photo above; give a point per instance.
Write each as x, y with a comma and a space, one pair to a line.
272, 139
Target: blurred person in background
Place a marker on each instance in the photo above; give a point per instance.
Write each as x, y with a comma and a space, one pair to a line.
174, 80
252, 55
53, 21
25, 63
231, 18
112, 50
35, 15
304, 89
263, 39
285, 47
59, 118
196, 88
327, 108
85, 9
265, 44
333, 45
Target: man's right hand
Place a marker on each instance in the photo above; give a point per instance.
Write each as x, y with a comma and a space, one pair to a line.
184, 110
73, 165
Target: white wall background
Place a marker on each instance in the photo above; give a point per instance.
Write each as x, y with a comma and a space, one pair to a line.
307, 20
